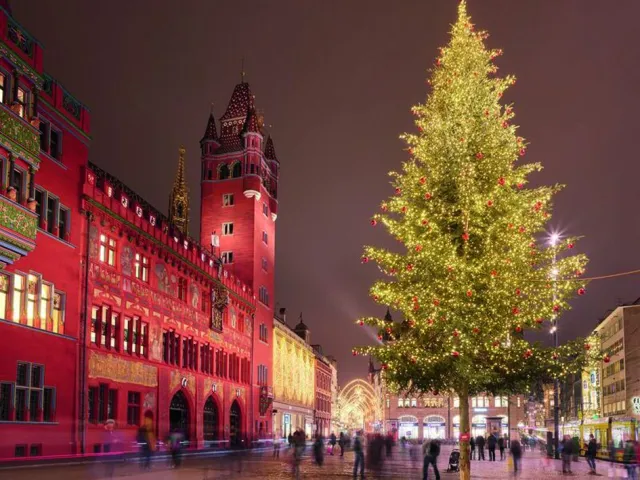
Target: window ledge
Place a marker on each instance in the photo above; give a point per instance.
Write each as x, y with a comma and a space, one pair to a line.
15, 422
50, 235
54, 160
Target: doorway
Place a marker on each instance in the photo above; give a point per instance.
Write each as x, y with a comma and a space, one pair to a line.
235, 422
179, 414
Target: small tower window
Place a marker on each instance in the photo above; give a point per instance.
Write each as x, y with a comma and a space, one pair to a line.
179, 210
237, 170
223, 173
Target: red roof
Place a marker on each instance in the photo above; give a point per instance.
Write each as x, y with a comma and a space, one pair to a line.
269, 150
241, 99
251, 123
210, 133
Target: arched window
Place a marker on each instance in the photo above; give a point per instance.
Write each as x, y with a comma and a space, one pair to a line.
406, 402
237, 170
400, 402
223, 172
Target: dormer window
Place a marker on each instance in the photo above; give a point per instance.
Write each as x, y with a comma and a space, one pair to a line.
22, 101
237, 170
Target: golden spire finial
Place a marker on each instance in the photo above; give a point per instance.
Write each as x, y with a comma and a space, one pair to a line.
179, 198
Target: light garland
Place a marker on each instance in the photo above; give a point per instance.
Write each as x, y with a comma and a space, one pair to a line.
471, 275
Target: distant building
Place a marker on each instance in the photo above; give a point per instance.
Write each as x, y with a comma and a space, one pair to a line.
294, 367
335, 426
322, 414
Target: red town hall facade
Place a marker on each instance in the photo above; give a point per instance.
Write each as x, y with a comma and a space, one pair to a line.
108, 309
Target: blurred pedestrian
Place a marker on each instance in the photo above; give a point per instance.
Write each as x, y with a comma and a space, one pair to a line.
630, 459
318, 449
431, 451
147, 440
175, 446
472, 446
592, 450
491, 443
480, 447
358, 450
332, 441
109, 446
341, 442
516, 453
501, 443
276, 445
567, 454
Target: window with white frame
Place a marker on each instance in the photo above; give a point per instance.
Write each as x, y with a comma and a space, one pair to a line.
227, 228
107, 250
226, 257
227, 200
4, 84
22, 99
265, 264
264, 295
141, 267
265, 238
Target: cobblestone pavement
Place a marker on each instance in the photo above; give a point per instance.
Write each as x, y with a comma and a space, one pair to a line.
264, 466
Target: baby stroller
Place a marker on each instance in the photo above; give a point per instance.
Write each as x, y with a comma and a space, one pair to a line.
454, 461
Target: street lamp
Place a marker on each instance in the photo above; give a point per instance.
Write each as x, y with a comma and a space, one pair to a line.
553, 241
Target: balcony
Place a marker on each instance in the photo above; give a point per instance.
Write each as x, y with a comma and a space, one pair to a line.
18, 227
18, 136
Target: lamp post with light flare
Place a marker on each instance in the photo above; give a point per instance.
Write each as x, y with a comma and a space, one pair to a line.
553, 240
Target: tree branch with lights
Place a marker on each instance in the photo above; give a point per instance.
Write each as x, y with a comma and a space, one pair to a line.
472, 271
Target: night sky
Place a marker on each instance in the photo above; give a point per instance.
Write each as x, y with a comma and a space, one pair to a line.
336, 80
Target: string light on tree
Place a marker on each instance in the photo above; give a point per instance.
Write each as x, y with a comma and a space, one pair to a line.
464, 211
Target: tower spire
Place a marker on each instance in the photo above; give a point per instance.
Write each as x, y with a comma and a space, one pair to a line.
179, 197
242, 72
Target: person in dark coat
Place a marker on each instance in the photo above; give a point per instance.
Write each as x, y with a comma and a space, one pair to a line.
491, 443
333, 442
592, 451
516, 452
431, 458
341, 442
501, 447
567, 453
480, 447
472, 446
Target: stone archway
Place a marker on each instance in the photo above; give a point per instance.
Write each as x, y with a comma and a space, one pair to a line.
235, 425
210, 421
179, 414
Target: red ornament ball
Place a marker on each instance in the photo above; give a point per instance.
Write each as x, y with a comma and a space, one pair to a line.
469, 293
556, 308
570, 245
436, 302
436, 392
522, 152
413, 360
494, 273
476, 330
520, 186
578, 273
515, 310
374, 222
416, 306
423, 180
518, 292
425, 222
354, 353
465, 236
365, 259
486, 113
379, 337
606, 359
555, 356
479, 155
455, 354
490, 203
375, 297
430, 321
361, 323
518, 329
418, 248
456, 333
409, 267
384, 207
398, 191
501, 181
404, 209
587, 346
539, 320
384, 366
505, 124
521, 229
581, 291
496, 343
528, 353
427, 196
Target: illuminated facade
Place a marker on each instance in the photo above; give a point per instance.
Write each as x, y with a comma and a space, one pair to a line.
359, 407
293, 379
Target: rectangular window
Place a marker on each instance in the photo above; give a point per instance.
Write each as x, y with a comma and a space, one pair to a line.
6, 398
39, 199
32, 297
96, 317
114, 331
227, 200
52, 207
227, 257
17, 182
133, 408
22, 99
112, 404
264, 264
44, 135
92, 400
58, 312
20, 451
4, 295
135, 337
107, 250
263, 333
45, 305
21, 404
3, 87
144, 339
48, 404
227, 228
35, 450
141, 267
34, 405
63, 222
265, 210
127, 334
204, 302
264, 295
55, 144
182, 289
265, 238
18, 296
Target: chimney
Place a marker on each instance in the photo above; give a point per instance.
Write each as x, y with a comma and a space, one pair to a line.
283, 315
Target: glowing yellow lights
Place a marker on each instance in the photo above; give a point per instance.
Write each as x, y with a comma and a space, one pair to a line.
474, 270
293, 368
358, 405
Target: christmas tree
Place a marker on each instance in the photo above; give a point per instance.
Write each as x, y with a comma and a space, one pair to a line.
474, 269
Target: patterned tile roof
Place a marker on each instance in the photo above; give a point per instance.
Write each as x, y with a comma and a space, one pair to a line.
241, 99
211, 132
251, 123
269, 150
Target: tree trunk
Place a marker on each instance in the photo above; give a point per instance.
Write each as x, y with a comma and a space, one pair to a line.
465, 428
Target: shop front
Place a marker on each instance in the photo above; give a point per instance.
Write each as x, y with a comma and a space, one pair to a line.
478, 426
408, 427
434, 426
